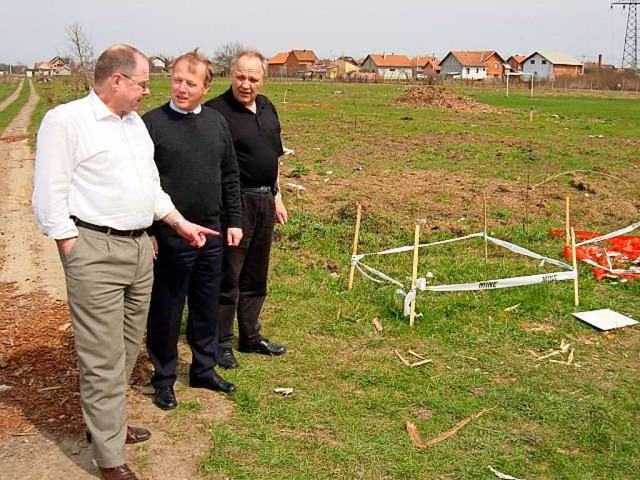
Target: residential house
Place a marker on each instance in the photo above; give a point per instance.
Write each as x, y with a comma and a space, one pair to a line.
472, 65
425, 66
388, 67
300, 63
278, 65
547, 66
57, 66
342, 69
515, 62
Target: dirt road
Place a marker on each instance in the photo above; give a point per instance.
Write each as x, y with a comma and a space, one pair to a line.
35, 444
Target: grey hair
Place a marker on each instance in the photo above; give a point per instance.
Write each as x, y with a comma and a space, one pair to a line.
251, 54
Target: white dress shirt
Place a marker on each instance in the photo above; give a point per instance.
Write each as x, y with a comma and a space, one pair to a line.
99, 167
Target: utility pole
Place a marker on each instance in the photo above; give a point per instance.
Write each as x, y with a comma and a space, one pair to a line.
630, 52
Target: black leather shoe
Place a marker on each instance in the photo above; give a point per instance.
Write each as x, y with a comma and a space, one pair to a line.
123, 472
164, 398
212, 382
227, 359
263, 347
134, 435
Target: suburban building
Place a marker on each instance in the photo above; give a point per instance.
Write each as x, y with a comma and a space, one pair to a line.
342, 69
472, 65
515, 62
547, 66
299, 62
425, 65
57, 66
388, 67
295, 63
278, 65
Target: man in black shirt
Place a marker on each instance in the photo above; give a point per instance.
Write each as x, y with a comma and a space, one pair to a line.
198, 169
255, 130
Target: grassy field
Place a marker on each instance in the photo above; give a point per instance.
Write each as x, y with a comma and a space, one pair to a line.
7, 87
12, 110
352, 395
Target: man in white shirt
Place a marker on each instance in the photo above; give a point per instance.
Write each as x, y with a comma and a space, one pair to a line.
96, 190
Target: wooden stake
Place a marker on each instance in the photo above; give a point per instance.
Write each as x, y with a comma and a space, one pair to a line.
356, 239
486, 243
576, 298
531, 116
567, 223
414, 274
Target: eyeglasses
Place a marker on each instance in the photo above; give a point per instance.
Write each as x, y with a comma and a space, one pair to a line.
143, 85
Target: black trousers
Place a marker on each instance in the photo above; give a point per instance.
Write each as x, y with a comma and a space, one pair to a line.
245, 271
182, 271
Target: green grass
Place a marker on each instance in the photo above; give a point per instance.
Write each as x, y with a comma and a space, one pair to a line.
352, 396
12, 109
7, 87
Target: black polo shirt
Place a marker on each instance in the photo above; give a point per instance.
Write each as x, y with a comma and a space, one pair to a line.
256, 138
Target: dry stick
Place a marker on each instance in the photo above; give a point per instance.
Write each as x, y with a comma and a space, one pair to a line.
581, 171
459, 425
402, 359
414, 274
417, 355
356, 239
421, 362
567, 222
576, 298
486, 243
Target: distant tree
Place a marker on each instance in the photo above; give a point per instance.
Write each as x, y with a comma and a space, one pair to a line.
82, 52
224, 54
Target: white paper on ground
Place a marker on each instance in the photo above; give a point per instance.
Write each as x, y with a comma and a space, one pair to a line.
605, 319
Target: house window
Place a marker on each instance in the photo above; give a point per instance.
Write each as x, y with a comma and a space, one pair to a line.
544, 62
468, 70
392, 69
533, 62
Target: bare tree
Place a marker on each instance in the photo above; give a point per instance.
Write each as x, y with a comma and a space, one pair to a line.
223, 55
82, 52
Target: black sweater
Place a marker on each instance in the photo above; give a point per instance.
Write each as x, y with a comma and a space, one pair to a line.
256, 138
197, 165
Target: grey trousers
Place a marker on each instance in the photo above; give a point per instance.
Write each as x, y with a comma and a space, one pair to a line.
109, 281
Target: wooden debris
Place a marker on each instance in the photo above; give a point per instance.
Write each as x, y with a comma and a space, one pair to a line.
47, 389
402, 359
451, 432
421, 362
417, 355
377, 324
510, 309
414, 435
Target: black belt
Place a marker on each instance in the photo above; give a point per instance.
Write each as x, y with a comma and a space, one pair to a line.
263, 189
108, 230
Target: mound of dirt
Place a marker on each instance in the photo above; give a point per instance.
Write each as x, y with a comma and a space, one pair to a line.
441, 98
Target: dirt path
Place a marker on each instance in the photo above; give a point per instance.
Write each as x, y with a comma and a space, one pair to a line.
10, 99
39, 439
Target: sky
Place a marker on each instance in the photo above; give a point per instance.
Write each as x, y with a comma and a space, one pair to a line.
34, 30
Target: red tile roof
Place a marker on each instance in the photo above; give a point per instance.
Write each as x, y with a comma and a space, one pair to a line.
473, 59
518, 58
304, 55
385, 60
279, 58
421, 61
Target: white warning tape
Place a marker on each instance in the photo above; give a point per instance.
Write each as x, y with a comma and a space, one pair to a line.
500, 283
607, 236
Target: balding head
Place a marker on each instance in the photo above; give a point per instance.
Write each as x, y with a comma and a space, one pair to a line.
118, 58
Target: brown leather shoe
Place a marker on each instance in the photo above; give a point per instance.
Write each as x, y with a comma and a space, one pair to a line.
123, 472
134, 435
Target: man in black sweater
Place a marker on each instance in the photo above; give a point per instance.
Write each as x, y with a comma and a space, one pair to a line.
198, 169
255, 129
